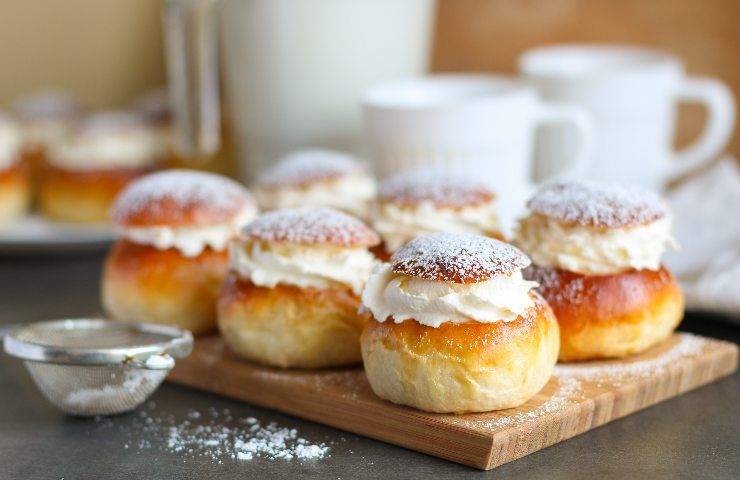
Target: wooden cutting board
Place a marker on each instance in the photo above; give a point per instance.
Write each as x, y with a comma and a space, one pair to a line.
578, 398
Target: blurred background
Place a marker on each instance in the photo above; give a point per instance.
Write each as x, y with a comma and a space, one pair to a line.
106, 52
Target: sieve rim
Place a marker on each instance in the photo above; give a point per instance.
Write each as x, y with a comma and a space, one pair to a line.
178, 346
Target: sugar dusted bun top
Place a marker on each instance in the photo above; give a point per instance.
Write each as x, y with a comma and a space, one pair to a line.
458, 258
312, 226
47, 105
440, 188
181, 198
598, 205
304, 167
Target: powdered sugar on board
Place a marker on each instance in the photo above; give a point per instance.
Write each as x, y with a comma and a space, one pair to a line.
599, 205
457, 257
312, 226
216, 435
442, 188
308, 166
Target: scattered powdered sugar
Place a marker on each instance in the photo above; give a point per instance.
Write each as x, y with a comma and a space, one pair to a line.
160, 362
215, 435
185, 188
312, 226
442, 188
307, 166
134, 382
617, 371
457, 257
600, 205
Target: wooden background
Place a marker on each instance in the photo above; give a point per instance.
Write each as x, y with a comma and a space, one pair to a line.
108, 50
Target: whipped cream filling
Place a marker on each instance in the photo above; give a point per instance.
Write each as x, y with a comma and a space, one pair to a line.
351, 193
131, 148
501, 299
10, 144
587, 250
398, 224
190, 241
315, 266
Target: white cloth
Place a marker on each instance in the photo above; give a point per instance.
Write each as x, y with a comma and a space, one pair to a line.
707, 228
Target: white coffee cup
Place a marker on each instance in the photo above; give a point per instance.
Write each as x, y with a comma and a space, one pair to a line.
480, 125
632, 94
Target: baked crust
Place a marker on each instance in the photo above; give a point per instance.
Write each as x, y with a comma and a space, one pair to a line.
288, 326
457, 257
81, 196
608, 316
142, 283
459, 368
15, 192
181, 198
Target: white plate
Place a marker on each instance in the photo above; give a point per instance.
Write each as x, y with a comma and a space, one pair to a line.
34, 234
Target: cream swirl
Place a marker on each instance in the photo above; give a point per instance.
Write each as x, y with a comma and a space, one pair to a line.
502, 298
190, 241
108, 141
398, 224
350, 192
322, 267
591, 250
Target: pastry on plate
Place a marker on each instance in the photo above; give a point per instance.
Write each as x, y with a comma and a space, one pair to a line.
596, 251
427, 201
85, 171
46, 119
15, 187
456, 327
317, 178
292, 296
171, 258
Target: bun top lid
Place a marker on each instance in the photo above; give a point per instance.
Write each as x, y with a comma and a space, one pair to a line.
441, 188
182, 198
457, 258
311, 226
598, 205
303, 167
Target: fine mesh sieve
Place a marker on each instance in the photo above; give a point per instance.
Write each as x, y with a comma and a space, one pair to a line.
95, 366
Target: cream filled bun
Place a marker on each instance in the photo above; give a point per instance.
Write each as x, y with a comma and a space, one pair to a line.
15, 188
597, 253
47, 118
293, 293
84, 172
171, 258
317, 178
456, 327
427, 201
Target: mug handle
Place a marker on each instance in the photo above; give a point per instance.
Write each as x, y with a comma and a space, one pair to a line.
578, 119
717, 98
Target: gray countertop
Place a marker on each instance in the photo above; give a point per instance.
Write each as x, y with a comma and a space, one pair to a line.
696, 435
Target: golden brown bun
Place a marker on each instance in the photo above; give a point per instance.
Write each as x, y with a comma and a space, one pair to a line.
142, 283
458, 368
287, 326
15, 192
81, 196
181, 198
612, 315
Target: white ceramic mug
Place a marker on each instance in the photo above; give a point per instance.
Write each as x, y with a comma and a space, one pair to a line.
480, 125
632, 94
292, 69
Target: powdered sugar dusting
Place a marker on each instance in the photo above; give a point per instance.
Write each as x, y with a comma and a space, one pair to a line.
457, 257
312, 226
600, 205
186, 188
308, 166
617, 371
216, 435
442, 188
